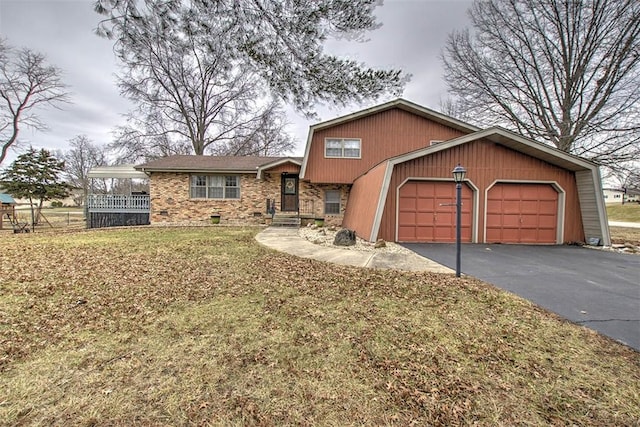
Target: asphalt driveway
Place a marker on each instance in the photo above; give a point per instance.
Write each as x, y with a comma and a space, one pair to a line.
594, 288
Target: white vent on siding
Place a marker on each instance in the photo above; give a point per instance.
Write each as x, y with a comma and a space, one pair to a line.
435, 141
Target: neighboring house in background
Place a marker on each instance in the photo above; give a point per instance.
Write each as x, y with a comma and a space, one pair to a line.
612, 195
76, 194
617, 195
385, 172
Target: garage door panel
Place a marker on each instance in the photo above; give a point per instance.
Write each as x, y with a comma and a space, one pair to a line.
510, 221
547, 235
521, 213
407, 231
409, 190
442, 190
528, 235
548, 207
422, 218
425, 205
529, 206
510, 193
510, 207
547, 222
425, 189
407, 217
407, 204
434, 217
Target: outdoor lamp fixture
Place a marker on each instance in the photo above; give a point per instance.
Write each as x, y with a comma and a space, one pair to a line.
458, 176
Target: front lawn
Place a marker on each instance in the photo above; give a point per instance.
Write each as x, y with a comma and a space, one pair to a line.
203, 326
629, 212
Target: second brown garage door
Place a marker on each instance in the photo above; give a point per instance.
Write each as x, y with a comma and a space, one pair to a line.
426, 212
522, 213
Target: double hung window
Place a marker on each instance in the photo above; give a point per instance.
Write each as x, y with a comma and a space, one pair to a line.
215, 187
332, 202
342, 147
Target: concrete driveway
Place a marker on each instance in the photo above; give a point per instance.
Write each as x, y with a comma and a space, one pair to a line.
594, 288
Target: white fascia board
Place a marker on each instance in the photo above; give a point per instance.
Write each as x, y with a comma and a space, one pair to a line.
602, 210
120, 171
382, 198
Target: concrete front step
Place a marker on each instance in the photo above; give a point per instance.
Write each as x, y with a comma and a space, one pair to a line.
285, 221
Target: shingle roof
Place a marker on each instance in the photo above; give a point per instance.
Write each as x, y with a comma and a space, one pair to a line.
210, 163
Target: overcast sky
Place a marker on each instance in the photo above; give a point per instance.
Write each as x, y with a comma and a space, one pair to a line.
411, 38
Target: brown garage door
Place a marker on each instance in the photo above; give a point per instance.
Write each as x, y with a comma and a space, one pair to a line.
427, 212
522, 213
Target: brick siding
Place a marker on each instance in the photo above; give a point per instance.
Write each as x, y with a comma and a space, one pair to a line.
170, 201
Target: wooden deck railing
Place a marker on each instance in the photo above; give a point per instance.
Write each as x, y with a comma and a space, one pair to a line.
117, 203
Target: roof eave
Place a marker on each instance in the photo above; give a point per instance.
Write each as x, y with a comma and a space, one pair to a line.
194, 170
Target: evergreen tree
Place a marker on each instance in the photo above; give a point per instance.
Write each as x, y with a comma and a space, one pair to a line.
35, 175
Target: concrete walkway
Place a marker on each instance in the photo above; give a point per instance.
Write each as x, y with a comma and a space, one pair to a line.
624, 224
287, 240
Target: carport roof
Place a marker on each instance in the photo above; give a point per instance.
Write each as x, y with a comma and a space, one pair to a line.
119, 171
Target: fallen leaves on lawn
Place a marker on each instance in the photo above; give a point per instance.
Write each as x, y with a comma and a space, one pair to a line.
205, 326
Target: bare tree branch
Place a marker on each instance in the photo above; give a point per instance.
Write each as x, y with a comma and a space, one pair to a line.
564, 72
26, 82
280, 40
189, 94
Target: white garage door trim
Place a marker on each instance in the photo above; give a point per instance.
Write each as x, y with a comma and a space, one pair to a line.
474, 209
561, 204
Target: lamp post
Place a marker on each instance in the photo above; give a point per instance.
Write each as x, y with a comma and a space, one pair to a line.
458, 176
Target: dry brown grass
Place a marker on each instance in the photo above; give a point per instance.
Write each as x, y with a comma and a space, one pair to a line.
624, 235
205, 327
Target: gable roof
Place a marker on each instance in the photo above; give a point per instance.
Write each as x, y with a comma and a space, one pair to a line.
209, 164
295, 160
399, 103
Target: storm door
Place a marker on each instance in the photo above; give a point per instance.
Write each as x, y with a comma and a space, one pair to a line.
289, 201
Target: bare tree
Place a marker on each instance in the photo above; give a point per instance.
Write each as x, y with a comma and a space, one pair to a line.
145, 138
187, 92
79, 160
565, 72
26, 82
268, 138
282, 41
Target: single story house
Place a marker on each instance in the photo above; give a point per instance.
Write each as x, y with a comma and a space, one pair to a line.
385, 172
620, 196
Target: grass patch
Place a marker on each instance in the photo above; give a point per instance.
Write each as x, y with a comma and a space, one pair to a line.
54, 218
624, 235
204, 326
629, 212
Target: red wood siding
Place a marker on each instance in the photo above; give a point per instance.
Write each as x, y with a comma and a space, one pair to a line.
384, 135
427, 212
284, 168
486, 162
363, 201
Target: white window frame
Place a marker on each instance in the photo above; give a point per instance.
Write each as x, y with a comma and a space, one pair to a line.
228, 184
341, 145
332, 203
